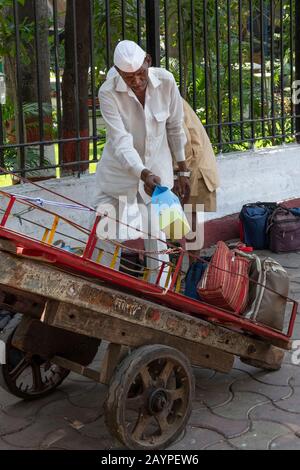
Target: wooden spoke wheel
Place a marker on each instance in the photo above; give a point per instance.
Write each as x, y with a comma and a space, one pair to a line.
150, 398
28, 376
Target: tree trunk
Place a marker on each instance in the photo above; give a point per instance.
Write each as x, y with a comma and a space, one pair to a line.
29, 86
75, 120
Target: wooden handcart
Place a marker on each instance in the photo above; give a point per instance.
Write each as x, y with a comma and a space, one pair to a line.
65, 305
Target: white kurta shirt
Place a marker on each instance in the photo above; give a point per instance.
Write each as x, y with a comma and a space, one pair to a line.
137, 137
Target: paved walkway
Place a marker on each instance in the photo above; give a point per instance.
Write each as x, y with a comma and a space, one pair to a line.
246, 409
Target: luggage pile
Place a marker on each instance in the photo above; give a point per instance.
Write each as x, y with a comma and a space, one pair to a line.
241, 282
268, 225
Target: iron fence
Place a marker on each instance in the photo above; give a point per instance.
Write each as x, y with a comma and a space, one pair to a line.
236, 61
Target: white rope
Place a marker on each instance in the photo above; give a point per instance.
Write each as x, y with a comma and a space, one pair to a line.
41, 202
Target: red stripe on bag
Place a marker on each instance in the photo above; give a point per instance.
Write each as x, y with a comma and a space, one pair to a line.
226, 283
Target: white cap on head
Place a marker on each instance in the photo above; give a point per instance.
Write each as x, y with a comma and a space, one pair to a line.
129, 56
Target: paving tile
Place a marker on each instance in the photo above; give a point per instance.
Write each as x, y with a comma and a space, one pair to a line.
287, 442
32, 436
281, 377
213, 398
240, 405
272, 414
11, 424
67, 438
73, 389
73, 440
94, 398
73, 377
221, 445
29, 409
53, 438
259, 436
5, 446
196, 439
292, 403
216, 391
66, 410
97, 429
225, 426
273, 392
7, 399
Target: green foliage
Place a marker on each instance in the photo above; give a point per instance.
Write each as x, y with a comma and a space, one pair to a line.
227, 92
8, 31
10, 154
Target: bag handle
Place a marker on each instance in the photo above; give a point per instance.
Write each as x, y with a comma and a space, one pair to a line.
279, 208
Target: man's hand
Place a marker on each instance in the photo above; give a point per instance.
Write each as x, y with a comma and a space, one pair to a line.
184, 189
182, 185
150, 181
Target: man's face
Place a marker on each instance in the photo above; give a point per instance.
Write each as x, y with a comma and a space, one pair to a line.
138, 80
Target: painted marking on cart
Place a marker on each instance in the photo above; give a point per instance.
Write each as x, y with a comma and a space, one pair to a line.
155, 315
2, 352
204, 331
129, 309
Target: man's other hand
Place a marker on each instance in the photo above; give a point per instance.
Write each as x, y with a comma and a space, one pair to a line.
182, 189
150, 180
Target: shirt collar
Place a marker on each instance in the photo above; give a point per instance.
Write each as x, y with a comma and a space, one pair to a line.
122, 87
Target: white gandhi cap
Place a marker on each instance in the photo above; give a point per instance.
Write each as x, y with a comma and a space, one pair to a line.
129, 56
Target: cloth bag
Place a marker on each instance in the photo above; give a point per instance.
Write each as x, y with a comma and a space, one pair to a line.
267, 306
225, 283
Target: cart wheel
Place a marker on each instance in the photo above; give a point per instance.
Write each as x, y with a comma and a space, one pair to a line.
150, 397
28, 376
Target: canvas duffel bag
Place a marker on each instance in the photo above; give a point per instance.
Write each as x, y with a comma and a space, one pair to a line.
284, 230
266, 306
225, 283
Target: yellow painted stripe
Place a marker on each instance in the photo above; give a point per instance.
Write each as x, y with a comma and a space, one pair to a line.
99, 257
53, 230
114, 260
45, 236
168, 276
178, 283
146, 274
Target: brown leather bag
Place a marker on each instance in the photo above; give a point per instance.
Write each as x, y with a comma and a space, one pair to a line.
284, 230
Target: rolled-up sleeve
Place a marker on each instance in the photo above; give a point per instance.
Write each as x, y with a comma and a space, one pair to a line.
121, 140
175, 131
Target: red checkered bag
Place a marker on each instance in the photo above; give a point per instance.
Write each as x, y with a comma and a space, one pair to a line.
225, 283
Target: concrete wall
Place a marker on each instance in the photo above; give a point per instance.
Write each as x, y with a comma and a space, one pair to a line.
262, 175
265, 175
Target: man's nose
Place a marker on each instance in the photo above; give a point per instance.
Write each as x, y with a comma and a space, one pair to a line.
137, 82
